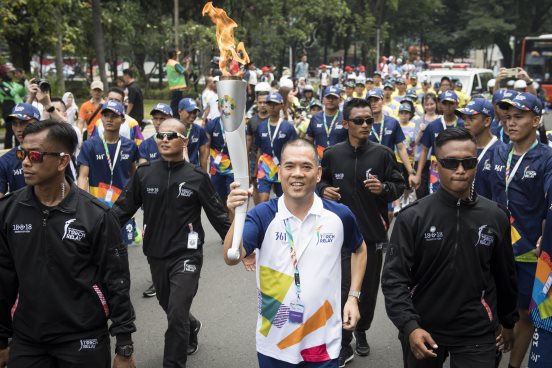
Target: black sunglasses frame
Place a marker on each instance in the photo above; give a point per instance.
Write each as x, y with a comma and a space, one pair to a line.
451, 163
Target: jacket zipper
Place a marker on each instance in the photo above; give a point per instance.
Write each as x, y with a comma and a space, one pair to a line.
457, 230
356, 159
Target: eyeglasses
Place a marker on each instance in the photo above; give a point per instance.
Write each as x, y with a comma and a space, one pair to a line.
468, 163
35, 156
169, 136
361, 121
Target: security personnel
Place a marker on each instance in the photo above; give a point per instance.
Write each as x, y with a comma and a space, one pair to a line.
172, 193
176, 76
63, 267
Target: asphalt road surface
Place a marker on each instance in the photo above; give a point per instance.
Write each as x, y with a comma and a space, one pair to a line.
226, 305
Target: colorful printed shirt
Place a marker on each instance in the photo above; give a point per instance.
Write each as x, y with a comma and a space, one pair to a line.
102, 184
130, 129
391, 134
326, 131
529, 193
218, 152
410, 131
541, 303
319, 239
270, 142
148, 149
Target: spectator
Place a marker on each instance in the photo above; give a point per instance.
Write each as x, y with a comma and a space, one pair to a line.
90, 109
135, 106
302, 68
11, 94
72, 108
209, 101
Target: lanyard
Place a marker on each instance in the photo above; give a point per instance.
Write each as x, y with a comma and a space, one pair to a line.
109, 162
223, 135
330, 128
294, 260
482, 154
382, 130
510, 174
445, 124
270, 137
189, 132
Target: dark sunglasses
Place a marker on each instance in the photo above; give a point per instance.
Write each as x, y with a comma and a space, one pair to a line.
468, 163
360, 121
34, 155
169, 136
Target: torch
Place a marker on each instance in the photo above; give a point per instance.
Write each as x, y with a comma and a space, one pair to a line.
232, 97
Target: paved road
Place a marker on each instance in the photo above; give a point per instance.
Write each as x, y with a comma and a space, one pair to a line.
226, 304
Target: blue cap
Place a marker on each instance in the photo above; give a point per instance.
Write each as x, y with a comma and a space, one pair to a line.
502, 94
376, 93
477, 106
369, 79
187, 104
315, 102
400, 81
162, 108
458, 84
448, 96
388, 85
275, 97
524, 101
24, 111
406, 107
412, 93
114, 106
332, 90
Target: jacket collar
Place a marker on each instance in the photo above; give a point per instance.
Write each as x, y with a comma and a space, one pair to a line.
452, 201
361, 148
68, 204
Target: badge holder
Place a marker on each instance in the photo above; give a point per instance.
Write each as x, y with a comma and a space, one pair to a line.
109, 195
218, 159
296, 312
193, 238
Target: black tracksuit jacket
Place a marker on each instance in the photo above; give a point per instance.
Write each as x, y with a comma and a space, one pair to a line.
450, 270
172, 195
345, 166
68, 265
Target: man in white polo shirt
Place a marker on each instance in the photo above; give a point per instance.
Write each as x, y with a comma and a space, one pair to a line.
298, 239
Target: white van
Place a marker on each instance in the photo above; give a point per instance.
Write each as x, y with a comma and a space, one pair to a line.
474, 80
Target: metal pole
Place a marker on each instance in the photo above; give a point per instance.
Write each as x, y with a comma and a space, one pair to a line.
377, 46
291, 60
176, 41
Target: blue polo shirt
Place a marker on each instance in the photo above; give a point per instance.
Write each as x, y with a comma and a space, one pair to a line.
285, 133
196, 139
529, 194
392, 132
11, 173
498, 130
432, 131
93, 155
483, 167
317, 129
215, 129
148, 149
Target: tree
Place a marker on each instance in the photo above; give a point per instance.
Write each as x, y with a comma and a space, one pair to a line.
98, 38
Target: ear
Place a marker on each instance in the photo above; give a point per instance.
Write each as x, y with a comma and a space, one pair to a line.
487, 122
345, 124
536, 121
64, 162
319, 174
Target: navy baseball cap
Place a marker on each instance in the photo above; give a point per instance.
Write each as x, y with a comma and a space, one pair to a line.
349, 84
187, 104
400, 81
388, 85
114, 106
524, 101
315, 102
502, 94
377, 72
370, 79
162, 108
412, 93
458, 84
376, 93
25, 112
275, 97
477, 106
332, 91
406, 107
448, 96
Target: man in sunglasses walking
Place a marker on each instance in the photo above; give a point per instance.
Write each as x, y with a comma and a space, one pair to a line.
172, 193
449, 279
364, 176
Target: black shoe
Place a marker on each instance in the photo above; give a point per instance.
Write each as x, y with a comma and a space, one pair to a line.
150, 292
193, 345
362, 348
345, 355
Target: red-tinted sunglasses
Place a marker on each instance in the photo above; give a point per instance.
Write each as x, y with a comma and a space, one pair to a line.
35, 156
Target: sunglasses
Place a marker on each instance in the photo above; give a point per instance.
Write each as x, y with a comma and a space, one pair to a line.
169, 136
468, 163
361, 121
34, 155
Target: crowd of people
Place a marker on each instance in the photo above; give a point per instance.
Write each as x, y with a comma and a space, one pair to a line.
467, 180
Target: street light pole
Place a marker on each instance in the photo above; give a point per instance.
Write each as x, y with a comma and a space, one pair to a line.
176, 41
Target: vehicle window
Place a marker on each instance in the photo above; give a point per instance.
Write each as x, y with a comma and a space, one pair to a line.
485, 78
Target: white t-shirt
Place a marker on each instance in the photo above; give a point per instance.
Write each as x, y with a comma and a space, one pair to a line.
319, 238
335, 72
209, 99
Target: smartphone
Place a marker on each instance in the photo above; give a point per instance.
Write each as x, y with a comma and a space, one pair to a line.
512, 72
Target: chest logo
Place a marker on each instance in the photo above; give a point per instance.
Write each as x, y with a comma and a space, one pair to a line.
183, 192
18, 172
152, 190
484, 239
339, 176
433, 234
529, 174
72, 233
22, 228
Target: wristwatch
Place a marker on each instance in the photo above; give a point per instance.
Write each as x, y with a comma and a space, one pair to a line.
385, 188
124, 350
355, 294
530, 82
413, 172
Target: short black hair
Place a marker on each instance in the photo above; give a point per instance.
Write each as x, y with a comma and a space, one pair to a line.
58, 99
128, 72
59, 133
444, 77
352, 104
453, 134
117, 90
301, 142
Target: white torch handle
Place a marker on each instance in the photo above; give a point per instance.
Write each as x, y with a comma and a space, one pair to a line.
239, 221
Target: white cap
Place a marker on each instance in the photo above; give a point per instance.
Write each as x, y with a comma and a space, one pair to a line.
262, 87
286, 83
491, 83
510, 83
520, 83
97, 85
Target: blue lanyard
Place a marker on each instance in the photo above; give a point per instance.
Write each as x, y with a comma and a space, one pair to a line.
509, 174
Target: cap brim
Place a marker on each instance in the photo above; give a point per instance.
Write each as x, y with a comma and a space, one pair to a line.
448, 99
20, 117
331, 94
112, 110
507, 103
161, 111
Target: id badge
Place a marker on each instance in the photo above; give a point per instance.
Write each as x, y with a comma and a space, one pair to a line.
109, 195
276, 161
296, 312
547, 285
192, 240
218, 159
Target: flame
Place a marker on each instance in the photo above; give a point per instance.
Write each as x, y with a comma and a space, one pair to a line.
230, 55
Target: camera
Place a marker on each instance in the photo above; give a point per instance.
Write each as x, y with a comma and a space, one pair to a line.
43, 84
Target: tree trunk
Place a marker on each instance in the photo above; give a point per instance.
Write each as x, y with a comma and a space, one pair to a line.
20, 52
60, 66
98, 38
139, 60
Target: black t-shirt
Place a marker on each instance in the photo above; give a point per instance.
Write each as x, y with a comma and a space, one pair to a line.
137, 100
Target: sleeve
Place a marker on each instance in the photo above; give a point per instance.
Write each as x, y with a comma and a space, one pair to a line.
142, 151
426, 137
202, 137
84, 154
253, 232
179, 69
214, 209
112, 261
310, 128
352, 237
9, 285
82, 112
209, 127
504, 272
548, 180
132, 95
138, 136
326, 179
393, 178
130, 199
258, 137
396, 279
292, 132
399, 134
3, 177
248, 129
135, 154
